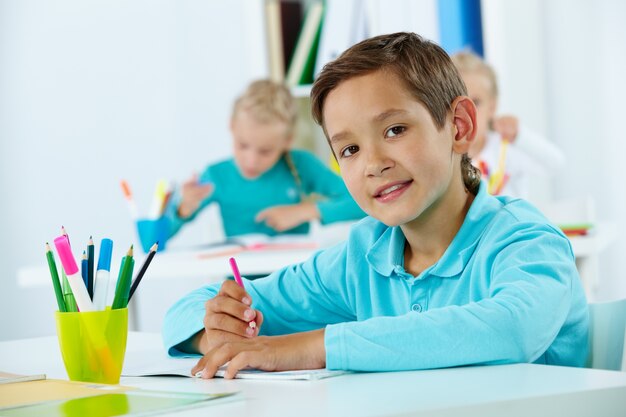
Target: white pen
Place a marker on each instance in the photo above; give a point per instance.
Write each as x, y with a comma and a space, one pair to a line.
101, 286
83, 301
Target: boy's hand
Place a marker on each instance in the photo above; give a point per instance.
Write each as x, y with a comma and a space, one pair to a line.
227, 316
281, 218
507, 127
268, 353
193, 194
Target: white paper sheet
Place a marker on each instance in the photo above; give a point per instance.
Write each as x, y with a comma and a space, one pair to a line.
152, 363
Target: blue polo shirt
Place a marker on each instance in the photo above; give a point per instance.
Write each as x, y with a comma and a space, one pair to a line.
506, 290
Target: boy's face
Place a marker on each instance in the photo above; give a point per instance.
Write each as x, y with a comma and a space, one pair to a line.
479, 90
257, 146
393, 159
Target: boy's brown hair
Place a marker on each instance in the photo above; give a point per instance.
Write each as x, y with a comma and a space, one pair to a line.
424, 67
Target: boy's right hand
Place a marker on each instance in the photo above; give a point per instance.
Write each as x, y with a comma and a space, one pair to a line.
192, 194
227, 316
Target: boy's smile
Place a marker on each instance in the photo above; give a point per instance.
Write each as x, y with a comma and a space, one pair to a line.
392, 191
398, 166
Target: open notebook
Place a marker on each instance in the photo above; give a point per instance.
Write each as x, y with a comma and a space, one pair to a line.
256, 242
156, 362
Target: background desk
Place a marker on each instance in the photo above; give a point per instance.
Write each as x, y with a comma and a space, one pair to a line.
176, 272
508, 390
587, 250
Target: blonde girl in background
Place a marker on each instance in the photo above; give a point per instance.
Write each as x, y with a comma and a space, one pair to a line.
506, 152
264, 187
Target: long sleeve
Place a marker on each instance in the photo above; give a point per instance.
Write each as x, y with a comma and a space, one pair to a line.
528, 302
546, 156
506, 290
287, 308
171, 210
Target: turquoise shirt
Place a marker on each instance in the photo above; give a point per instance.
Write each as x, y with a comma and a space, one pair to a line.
241, 199
506, 290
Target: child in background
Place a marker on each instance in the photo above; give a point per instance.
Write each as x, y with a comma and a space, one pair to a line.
506, 152
264, 188
441, 274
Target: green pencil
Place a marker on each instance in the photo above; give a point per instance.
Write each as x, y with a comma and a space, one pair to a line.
68, 296
122, 289
55, 279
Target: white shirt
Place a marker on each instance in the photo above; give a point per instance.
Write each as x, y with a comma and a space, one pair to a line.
529, 155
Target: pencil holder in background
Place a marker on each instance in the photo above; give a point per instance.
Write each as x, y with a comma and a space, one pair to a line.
93, 344
151, 231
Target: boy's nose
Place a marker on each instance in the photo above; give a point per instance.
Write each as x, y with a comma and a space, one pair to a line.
377, 163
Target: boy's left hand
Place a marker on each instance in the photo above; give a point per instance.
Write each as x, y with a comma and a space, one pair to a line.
507, 127
268, 353
281, 218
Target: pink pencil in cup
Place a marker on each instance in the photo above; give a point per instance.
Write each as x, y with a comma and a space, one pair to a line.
237, 275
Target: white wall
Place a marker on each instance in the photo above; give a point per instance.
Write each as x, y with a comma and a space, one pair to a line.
92, 92
586, 89
560, 65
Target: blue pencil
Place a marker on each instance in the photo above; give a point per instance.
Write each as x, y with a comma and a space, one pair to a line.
83, 268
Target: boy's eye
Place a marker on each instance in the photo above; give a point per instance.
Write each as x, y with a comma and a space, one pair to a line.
395, 131
349, 151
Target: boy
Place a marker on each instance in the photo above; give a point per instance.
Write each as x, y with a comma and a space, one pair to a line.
441, 274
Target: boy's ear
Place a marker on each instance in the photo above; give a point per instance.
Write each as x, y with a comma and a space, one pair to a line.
464, 122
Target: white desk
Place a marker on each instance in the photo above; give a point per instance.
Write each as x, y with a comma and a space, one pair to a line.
172, 274
175, 273
509, 390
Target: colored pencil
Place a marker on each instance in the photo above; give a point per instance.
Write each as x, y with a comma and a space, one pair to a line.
90, 265
122, 288
143, 269
55, 279
83, 269
238, 280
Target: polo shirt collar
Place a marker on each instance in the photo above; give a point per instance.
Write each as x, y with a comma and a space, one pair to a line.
386, 255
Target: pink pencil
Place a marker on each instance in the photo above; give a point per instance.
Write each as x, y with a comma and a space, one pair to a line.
237, 275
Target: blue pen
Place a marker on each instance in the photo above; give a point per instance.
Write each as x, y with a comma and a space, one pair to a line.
101, 286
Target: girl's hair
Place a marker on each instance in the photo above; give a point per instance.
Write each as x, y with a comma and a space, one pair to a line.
268, 102
425, 69
467, 61
296, 176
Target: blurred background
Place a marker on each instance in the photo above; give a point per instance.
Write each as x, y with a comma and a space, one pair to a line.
92, 92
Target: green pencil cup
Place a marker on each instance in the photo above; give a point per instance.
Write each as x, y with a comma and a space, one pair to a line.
151, 231
93, 344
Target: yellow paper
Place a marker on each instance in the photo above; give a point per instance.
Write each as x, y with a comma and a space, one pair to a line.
21, 393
